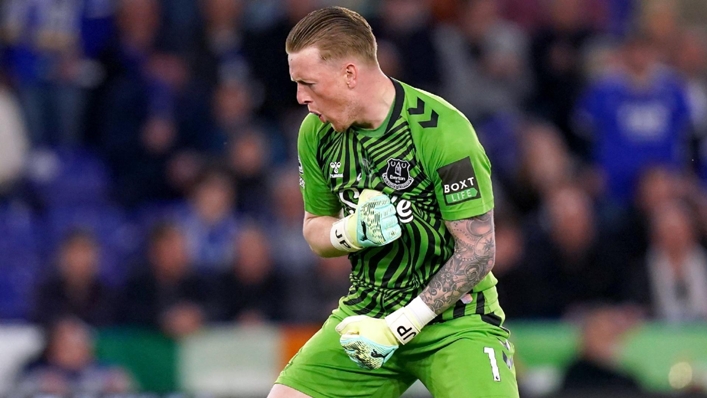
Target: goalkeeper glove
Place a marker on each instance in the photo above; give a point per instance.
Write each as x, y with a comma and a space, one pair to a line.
373, 224
370, 342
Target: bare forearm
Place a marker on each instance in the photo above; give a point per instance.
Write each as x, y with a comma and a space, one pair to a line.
473, 258
316, 232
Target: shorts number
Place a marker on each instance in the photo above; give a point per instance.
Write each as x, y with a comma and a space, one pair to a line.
494, 366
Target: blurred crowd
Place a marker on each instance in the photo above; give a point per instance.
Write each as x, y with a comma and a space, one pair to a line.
148, 163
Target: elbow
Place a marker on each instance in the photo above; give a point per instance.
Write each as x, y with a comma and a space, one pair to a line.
490, 264
313, 246
491, 260
319, 252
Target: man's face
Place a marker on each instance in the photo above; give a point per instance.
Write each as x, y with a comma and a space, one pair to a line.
322, 87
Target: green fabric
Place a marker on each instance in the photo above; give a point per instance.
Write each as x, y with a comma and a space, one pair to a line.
453, 359
150, 357
430, 163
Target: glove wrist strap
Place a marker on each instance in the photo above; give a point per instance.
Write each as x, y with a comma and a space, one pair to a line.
407, 322
422, 312
340, 239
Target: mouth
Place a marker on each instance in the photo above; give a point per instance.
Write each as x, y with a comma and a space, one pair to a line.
319, 115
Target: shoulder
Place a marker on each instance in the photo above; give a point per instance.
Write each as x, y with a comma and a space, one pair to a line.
312, 126
427, 110
609, 83
311, 131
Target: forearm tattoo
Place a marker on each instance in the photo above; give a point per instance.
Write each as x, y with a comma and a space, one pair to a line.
473, 258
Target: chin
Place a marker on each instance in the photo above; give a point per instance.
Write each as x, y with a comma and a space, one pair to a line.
339, 128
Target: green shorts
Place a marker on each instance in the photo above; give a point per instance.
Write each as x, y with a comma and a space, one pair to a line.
462, 357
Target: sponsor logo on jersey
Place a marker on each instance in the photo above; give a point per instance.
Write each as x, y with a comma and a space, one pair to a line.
459, 182
300, 168
397, 174
335, 166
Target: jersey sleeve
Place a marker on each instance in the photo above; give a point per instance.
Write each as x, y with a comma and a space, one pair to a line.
318, 197
457, 163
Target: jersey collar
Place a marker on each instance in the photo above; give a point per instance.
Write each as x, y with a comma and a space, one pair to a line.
398, 105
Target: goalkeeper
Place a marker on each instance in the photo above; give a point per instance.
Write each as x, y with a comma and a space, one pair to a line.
395, 178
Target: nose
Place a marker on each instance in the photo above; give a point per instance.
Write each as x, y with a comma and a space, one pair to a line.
302, 97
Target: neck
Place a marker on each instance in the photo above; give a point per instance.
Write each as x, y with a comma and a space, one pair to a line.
379, 96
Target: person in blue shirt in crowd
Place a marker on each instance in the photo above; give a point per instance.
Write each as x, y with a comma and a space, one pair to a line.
50, 55
635, 117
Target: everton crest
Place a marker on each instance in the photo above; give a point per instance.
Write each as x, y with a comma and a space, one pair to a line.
397, 174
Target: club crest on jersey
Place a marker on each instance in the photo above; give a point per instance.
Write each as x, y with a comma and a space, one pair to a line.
397, 174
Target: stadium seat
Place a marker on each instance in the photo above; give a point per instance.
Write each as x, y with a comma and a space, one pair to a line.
68, 177
20, 264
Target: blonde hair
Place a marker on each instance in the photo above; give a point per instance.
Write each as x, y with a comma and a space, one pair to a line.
337, 32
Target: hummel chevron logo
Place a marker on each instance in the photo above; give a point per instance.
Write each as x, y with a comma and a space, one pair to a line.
432, 122
419, 109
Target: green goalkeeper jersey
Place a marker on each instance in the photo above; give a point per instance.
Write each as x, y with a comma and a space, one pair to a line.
427, 158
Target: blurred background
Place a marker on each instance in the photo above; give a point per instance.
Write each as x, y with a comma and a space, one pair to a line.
150, 214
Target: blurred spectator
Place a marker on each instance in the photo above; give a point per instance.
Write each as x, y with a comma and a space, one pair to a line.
691, 62
148, 119
407, 26
513, 288
316, 294
137, 23
264, 48
166, 294
180, 24
68, 366
597, 369
544, 165
485, 59
657, 186
568, 254
672, 282
209, 221
620, 16
49, 54
14, 144
661, 21
249, 162
502, 137
134, 35
292, 252
635, 117
389, 59
220, 55
556, 55
251, 291
234, 105
528, 14
74, 289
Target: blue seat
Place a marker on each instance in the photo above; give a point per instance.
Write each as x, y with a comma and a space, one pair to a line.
69, 178
20, 262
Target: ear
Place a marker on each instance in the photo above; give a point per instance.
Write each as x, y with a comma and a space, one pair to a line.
351, 75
